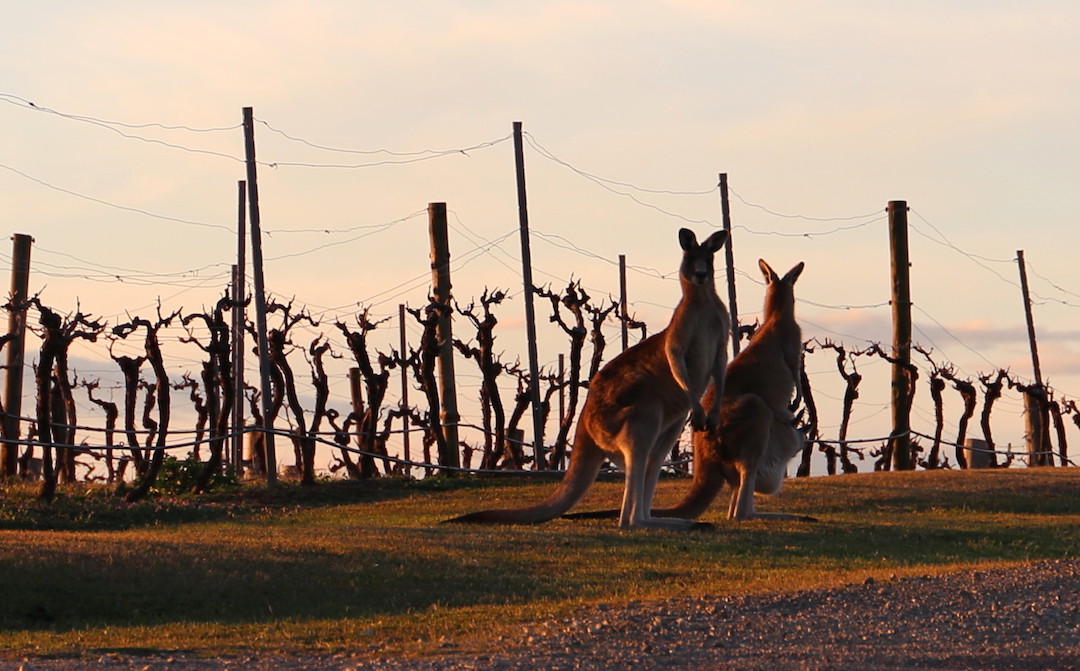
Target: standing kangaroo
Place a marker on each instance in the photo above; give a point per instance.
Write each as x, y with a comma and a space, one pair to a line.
637, 404
756, 436
755, 439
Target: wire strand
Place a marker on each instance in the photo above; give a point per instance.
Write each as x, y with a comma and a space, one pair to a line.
876, 214
125, 208
409, 158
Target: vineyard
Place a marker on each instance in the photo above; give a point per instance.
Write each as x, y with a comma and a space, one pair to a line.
365, 436
362, 391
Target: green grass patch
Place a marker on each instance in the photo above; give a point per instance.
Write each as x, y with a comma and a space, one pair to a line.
367, 566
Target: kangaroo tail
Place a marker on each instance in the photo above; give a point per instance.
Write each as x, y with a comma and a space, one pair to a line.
593, 515
709, 478
585, 463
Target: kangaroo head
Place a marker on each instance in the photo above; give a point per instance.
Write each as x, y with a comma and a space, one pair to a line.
780, 291
697, 263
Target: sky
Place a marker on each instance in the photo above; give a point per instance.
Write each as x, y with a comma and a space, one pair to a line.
122, 149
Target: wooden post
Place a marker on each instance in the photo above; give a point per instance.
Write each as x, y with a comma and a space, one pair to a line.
260, 296
16, 349
622, 303
530, 310
440, 280
729, 256
239, 314
900, 441
976, 454
1036, 434
404, 405
1035, 402
1028, 317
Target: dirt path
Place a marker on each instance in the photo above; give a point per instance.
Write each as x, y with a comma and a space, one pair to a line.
1021, 618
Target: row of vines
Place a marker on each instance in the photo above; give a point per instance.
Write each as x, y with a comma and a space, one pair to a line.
127, 443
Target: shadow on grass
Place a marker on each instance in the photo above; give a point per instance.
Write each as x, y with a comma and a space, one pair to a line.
352, 564
97, 508
178, 584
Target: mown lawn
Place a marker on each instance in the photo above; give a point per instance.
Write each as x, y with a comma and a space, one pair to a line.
368, 567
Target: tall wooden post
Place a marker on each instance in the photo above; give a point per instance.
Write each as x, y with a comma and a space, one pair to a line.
239, 315
404, 405
260, 296
900, 440
440, 280
1035, 402
530, 310
1028, 317
625, 331
729, 256
16, 349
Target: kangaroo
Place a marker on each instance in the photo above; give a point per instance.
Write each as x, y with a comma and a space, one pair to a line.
756, 437
637, 404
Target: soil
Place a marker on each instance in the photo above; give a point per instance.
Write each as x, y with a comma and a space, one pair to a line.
1027, 617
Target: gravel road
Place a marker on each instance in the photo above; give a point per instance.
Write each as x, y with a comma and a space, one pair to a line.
1018, 618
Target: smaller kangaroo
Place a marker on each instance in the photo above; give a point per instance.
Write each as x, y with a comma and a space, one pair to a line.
756, 436
637, 404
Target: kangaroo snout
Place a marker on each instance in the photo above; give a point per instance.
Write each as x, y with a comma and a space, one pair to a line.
701, 273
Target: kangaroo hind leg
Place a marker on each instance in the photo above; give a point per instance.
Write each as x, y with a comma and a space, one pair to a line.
752, 435
643, 453
643, 447
746, 425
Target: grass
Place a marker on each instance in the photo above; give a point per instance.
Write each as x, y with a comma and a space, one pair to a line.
366, 567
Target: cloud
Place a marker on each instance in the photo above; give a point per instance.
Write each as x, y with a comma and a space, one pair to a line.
986, 333
1059, 360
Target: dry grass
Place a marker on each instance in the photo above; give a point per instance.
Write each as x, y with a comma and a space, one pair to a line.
367, 566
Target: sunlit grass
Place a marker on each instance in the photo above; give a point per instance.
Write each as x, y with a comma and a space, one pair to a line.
367, 566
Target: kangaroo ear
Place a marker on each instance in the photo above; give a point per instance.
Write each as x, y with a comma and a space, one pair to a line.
769, 274
715, 241
794, 273
687, 239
